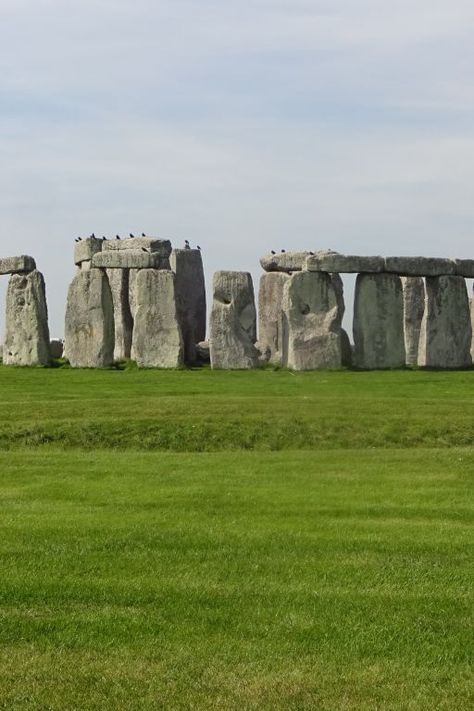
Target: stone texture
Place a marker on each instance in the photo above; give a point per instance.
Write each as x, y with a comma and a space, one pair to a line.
270, 315
233, 322
56, 347
132, 292
89, 325
123, 322
346, 349
157, 339
129, 259
446, 333
378, 322
85, 249
284, 261
26, 323
329, 261
419, 266
413, 309
17, 265
471, 302
161, 247
190, 291
312, 322
203, 352
464, 268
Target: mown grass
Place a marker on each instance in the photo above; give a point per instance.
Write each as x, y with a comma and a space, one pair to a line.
335, 573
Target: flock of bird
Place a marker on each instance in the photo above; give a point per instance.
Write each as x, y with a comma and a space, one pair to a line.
132, 236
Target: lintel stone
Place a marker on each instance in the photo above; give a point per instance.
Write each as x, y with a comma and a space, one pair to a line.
419, 266
151, 244
17, 265
129, 259
342, 263
85, 250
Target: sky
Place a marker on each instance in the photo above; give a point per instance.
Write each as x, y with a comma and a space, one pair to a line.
242, 126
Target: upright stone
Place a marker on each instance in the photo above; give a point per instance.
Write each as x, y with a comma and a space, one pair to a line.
471, 302
378, 322
27, 332
89, 326
190, 298
270, 315
157, 339
233, 322
413, 309
312, 322
446, 332
123, 322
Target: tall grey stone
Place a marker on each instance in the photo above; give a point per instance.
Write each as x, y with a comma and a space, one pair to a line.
378, 322
27, 333
190, 291
446, 332
413, 309
270, 314
89, 324
132, 291
123, 322
312, 322
233, 322
157, 339
471, 302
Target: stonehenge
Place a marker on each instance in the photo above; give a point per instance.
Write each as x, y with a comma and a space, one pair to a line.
139, 298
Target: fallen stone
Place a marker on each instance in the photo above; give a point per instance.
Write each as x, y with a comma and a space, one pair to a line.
419, 266
378, 322
129, 259
413, 308
190, 291
26, 322
284, 261
446, 332
151, 244
233, 322
123, 322
157, 338
85, 250
203, 352
56, 348
464, 268
270, 315
17, 265
341, 263
312, 322
89, 324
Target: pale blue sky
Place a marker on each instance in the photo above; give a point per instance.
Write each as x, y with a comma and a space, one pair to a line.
241, 126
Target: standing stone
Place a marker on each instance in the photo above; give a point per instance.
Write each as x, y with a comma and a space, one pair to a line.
157, 339
471, 301
270, 315
132, 292
190, 298
123, 322
233, 322
378, 322
312, 322
413, 309
89, 327
27, 332
446, 333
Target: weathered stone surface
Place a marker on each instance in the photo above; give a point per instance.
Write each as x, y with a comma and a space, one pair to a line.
419, 266
157, 339
378, 322
464, 268
132, 292
151, 244
17, 265
203, 352
346, 349
123, 322
284, 261
413, 309
190, 291
270, 315
471, 302
233, 322
85, 249
129, 259
329, 261
446, 333
89, 325
26, 323
312, 323
56, 347
339, 289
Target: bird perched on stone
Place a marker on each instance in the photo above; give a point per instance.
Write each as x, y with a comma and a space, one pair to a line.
143, 234
273, 251
283, 251
117, 236
144, 250
131, 236
92, 236
198, 247
104, 239
186, 244
78, 239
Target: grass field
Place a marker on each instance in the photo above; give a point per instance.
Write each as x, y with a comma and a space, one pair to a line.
262, 540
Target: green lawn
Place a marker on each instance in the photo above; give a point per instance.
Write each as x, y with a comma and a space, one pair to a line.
334, 572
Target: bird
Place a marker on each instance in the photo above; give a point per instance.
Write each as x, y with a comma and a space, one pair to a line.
312, 253
104, 239
283, 251
131, 236
198, 247
78, 239
186, 244
273, 251
117, 237
92, 236
144, 250
143, 234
